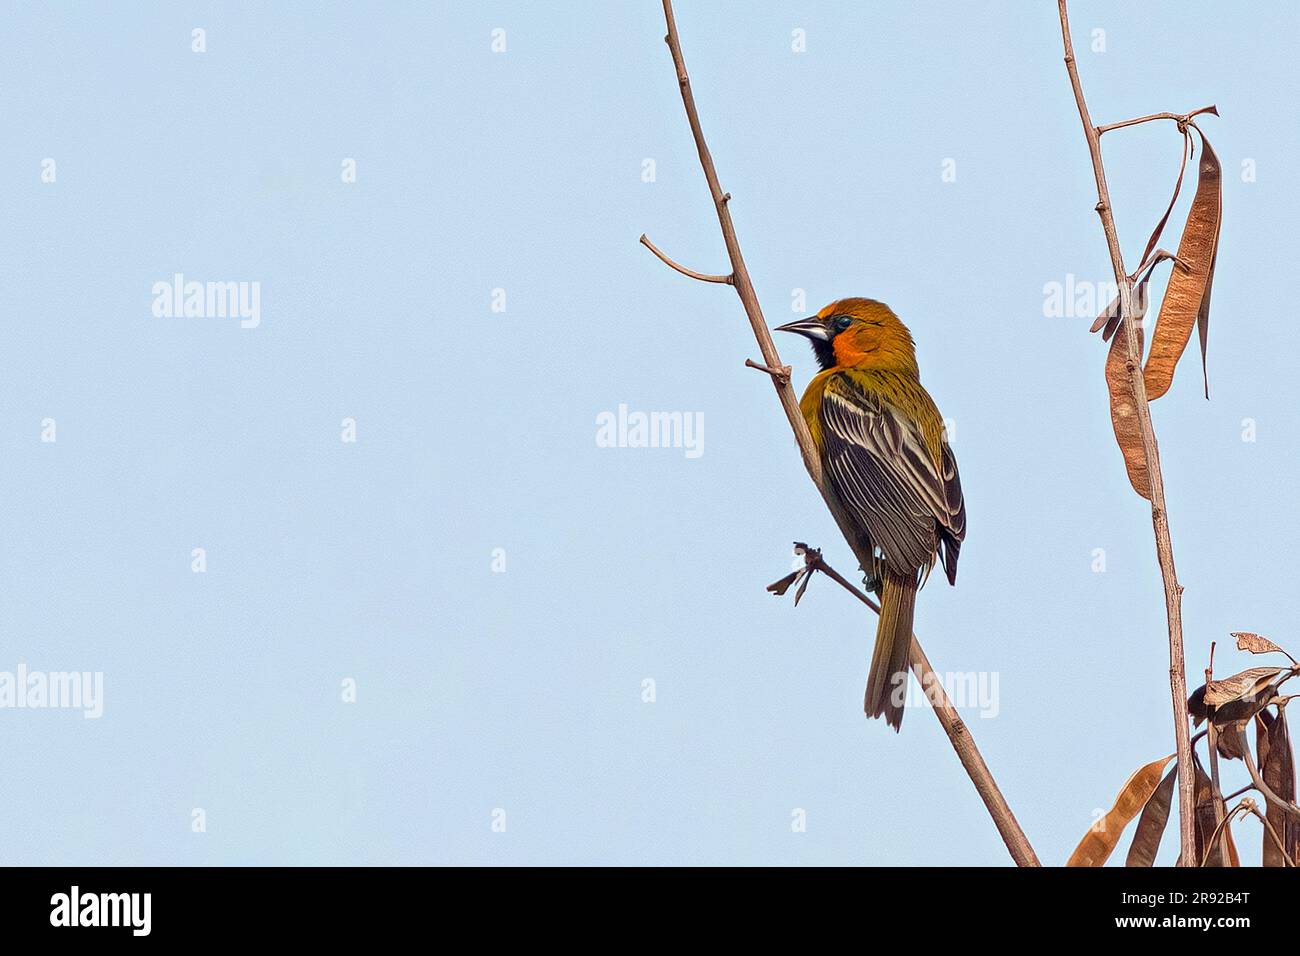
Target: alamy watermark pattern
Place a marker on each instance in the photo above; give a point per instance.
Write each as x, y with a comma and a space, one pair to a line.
60, 690
629, 429
179, 298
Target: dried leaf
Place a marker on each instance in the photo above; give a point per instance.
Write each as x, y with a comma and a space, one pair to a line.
1109, 318
1230, 846
1186, 301
1225, 850
803, 586
1123, 413
780, 587
1242, 696
1102, 836
1230, 740
1178, 188
1151, 825
1246, 685
1203, 321
1277, 767
1225, 847
1247, 641
1231, 720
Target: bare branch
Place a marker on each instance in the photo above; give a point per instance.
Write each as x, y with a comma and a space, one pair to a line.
814, 561
781, 374
703, 277
1181, 119
953, 726
1153, 260
1159, 514
1239, 792
1213, 744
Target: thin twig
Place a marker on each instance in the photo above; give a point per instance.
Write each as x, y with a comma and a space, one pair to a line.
702, 276
814, 560
1237, 793
1277, 841
1286, 806
781, 374
1214, 837
1180, 118
1213, 743
1159, 230
953, 725
1159, 515
1157, 257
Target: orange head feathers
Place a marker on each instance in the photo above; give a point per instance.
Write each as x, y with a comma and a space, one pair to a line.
858, 333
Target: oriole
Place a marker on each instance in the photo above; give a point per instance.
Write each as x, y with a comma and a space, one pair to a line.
889, 468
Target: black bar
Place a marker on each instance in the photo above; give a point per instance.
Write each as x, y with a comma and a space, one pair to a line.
334, 906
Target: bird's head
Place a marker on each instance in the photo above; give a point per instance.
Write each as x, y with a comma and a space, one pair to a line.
859, 333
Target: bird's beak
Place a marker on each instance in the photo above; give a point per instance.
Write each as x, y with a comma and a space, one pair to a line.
811, 327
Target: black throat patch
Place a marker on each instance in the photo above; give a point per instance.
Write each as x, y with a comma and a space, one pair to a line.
825, 353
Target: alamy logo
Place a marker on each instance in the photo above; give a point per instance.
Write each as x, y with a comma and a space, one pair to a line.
626, 429
208, 300
102, 909
966, 690
71, 690
1077, 298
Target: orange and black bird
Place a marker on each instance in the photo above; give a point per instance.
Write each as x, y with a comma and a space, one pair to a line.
889, 468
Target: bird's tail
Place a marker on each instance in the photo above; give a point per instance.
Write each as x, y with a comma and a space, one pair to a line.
887, 681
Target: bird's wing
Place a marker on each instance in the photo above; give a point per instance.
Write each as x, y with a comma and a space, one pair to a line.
882, 469
953, 531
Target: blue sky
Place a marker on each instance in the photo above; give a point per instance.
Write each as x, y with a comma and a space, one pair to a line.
497, 584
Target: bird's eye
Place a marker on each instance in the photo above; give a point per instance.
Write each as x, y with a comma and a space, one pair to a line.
842, 323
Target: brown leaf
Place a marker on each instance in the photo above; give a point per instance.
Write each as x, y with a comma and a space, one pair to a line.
1277, 767
1178, 188
1242, 696
1225, 850
1230, 739
1229, 846
1151, 825
1246, 641
1231, 720
1203, 321
1246, 685
1109, 318
803, 586
1123, 412
1102, 836
1187, 297
780, 587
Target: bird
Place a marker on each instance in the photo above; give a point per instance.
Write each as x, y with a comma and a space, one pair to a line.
889, 470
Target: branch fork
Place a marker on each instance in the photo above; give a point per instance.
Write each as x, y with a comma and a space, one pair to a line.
781, 375
1182, 119
690, 273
